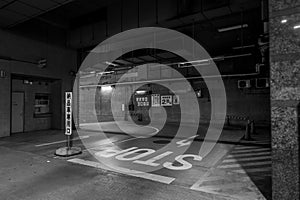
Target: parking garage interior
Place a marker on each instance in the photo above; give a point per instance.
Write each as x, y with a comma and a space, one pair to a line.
171, 99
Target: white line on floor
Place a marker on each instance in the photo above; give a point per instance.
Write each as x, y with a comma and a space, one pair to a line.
246, 147
235, 165
247, 159
139, 174
61, 141
251, 150
248, 154
242, 171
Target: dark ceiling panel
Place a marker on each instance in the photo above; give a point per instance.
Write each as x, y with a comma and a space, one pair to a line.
166, 55
147, 58
42, 5
23, 9
10, 16
134, 60
122, 62
59, 1
2, 3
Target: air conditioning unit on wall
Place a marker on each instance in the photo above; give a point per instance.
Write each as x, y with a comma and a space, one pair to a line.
244, 84
262, 83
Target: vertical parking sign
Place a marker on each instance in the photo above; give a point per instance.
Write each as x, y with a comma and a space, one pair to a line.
68, 115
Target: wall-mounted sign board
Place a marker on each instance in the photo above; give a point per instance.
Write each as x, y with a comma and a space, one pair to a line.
142, 101
155, 100
166, 100
175, 99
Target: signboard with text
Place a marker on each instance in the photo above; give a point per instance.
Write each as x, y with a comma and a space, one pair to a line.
68, 113
142, 101
166, 100
155, 100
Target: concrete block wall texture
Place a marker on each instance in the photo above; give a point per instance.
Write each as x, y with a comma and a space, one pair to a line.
60, 61
285, 97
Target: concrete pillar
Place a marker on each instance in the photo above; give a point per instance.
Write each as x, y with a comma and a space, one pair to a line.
285, 97
5, 99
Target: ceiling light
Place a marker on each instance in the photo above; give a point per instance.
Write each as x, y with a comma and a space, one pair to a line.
110, 63
106, 72
140, 92
194, 63
284, 21
106, 88
243, 47
232, 28
297, 26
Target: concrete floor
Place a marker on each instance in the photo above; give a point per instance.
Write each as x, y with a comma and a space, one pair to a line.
30, 170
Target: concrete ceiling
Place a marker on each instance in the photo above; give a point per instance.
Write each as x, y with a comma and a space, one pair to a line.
13, 12
200, 19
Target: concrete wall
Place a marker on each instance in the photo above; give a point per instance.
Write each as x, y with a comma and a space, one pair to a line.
285, 98
15, 47
253, 103
34, 122
5, 101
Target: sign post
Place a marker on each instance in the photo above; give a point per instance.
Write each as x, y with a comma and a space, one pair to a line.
68, 118
69, 150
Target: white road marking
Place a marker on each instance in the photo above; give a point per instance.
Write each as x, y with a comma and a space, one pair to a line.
135, 173
235, 165
247, 159
61, 141
245, 147
223, 188
186, 141
250, 150
248, 154
242, 171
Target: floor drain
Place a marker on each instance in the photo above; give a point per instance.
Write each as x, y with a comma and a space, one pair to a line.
161, 141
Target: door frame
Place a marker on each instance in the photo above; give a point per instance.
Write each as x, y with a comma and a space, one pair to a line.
11, 110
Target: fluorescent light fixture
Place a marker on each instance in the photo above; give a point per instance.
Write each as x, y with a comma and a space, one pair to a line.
110, 63
194, 63
244, 47
140, 92
233, 28
297, 26
284, 21
106, 88
92, 72
107, 72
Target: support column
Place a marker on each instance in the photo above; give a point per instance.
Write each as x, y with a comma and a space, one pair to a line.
285, 97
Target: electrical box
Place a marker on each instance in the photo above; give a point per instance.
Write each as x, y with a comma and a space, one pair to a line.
244, 84
262, 83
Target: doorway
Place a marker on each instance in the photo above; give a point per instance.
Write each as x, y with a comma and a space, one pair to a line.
17, 112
